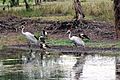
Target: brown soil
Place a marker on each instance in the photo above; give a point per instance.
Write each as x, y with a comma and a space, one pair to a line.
96, 30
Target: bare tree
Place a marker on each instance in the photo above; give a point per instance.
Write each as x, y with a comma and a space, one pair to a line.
37, 2
26, 5
117, 17
78, 10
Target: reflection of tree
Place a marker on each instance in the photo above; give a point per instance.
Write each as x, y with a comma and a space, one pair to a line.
78, 67
117, 68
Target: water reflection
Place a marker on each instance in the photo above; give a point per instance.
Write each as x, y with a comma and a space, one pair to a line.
54, 66
99, 68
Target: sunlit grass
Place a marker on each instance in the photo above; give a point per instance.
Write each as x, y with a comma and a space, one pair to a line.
59, 42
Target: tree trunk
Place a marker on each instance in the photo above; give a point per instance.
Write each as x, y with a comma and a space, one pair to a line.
37, 2
117, 17
27, 5
17, 2
4, 2
78, 10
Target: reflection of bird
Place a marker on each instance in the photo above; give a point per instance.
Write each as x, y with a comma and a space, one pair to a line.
31, 37
76, 40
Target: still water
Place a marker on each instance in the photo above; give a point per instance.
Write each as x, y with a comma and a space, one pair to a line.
55, 66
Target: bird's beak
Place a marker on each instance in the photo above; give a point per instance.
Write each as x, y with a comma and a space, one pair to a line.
65, 34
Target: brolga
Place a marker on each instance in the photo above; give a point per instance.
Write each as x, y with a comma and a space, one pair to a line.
34, 40
76, 40
31, 37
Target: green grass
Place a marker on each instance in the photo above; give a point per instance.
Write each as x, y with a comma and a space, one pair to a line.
100, 44
59, 42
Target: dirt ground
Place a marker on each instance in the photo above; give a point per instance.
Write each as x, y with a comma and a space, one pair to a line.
96, 30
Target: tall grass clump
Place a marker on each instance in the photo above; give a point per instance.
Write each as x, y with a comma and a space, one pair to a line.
63, 8
99, 10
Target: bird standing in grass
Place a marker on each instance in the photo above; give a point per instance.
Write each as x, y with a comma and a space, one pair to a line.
31, 37
76, 40
34, 40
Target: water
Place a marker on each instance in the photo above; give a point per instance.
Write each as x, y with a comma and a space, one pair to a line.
54, 66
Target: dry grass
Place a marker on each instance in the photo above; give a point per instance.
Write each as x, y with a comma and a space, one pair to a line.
12, 39
93, 9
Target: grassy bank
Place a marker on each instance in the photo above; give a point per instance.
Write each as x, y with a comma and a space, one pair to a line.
20, 39
97, 10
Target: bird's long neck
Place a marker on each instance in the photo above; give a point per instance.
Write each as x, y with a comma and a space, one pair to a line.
23, 31
43, 33
69, 35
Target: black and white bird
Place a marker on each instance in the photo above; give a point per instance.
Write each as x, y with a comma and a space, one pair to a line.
43, 36
31, 37
83, 36
42, 39
44, 33
76, 40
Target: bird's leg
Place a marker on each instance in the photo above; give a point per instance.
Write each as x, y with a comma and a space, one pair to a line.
75, 44
30, 46
84, 48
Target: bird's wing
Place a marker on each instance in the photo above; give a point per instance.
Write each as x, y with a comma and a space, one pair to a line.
30, 36
28, 33
77, 40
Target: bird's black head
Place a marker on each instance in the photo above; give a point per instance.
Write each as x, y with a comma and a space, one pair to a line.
69, 31
22, 27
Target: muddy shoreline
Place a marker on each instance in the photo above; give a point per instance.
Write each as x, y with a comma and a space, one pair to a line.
16, 49
96, 30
